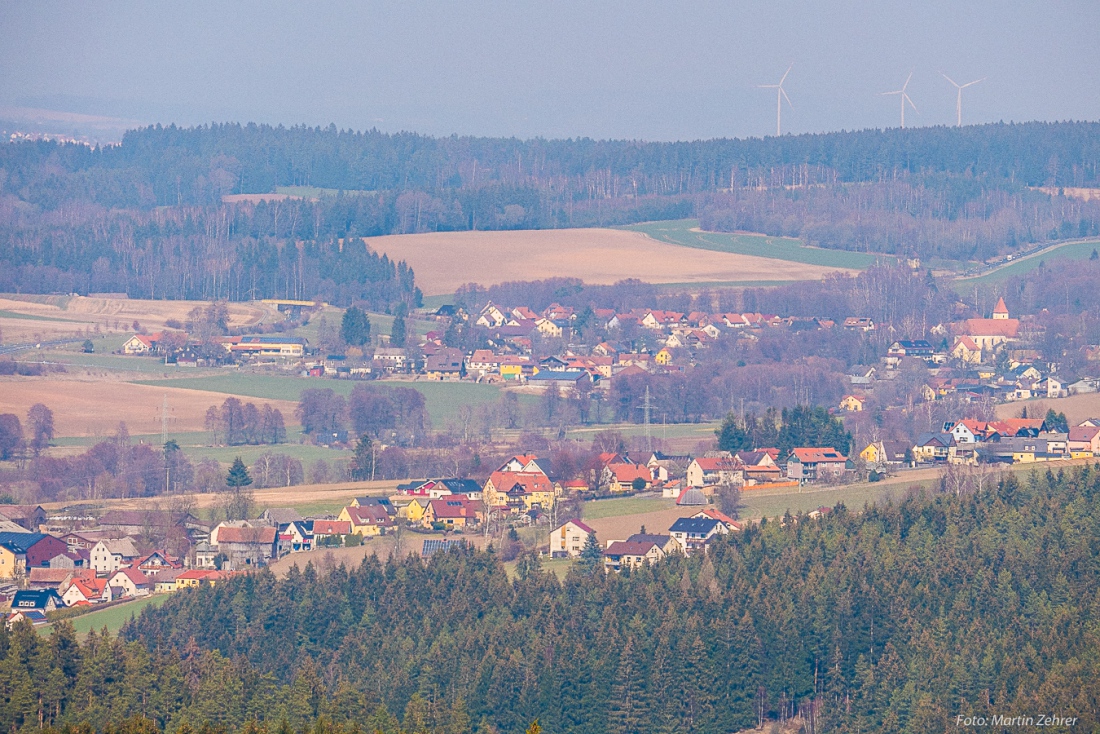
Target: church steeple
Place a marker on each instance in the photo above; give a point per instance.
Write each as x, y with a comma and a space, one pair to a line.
1000, 311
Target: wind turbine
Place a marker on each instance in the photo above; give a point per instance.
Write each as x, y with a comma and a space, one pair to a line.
780, 95
959, 97
904, 99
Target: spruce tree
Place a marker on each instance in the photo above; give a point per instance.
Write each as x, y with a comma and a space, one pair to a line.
591, 554
238, 475
362, 464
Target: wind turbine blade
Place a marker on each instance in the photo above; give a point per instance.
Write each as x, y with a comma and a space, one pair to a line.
973, 82
767, 86
788, 71
903, 86
905, 98
950, 79
784, 91
897, 92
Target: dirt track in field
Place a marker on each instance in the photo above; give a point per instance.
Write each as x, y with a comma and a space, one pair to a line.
443, 261
95, 408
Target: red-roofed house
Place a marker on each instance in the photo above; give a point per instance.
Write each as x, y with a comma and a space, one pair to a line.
812, 464
131, 581
710, 471
721, 517
328, 528
631, 554
452, 512
622, 477
88, 591
1084, 441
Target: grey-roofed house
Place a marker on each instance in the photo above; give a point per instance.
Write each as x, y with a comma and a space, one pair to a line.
695, 533
631, 554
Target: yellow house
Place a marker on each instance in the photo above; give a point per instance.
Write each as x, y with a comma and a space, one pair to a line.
366, 521
548, 328
873, 454
852, 403
967, 350
9, 563
197, 577
663, 357
414, 511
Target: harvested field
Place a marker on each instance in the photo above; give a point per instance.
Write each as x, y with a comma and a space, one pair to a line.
119, 314
1076, 407
94, 408
443, 261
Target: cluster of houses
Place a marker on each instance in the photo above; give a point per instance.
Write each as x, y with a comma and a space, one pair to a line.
687, 536
178, 347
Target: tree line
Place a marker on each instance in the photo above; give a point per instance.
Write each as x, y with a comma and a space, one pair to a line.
148, 217
896, 618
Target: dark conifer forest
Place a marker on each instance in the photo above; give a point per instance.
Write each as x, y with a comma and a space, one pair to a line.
982, 601
149, 217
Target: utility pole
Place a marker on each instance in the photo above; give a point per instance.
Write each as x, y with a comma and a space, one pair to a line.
647, 407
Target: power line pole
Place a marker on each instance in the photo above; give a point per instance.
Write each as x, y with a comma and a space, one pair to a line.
647, 407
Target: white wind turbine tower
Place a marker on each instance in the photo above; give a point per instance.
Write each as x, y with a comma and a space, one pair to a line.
904, 99
780, 95
959, 97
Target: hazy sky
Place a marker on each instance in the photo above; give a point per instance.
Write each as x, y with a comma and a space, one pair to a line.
654, 70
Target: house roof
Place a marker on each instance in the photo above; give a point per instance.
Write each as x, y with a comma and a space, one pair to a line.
331, 527
20, 512
1008, 328
368, 515
504, 481
453, 508
40, 575
1083, 433
120, 547
717, 463
694, 525
258, 536
630, 548
282, 515
578, 523
1001, 307
816, 455
38, 597
661, 540
627, 473
21, 542
720, 516
136, 576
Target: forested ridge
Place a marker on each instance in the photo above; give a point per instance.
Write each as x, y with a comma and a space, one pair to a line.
896, 618
149, 216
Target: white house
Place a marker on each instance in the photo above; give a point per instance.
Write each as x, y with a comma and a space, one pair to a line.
108, 556
569, 539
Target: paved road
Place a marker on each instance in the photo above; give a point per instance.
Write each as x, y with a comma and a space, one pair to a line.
13, 348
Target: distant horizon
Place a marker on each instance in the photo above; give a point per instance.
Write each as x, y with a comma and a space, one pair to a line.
65, 122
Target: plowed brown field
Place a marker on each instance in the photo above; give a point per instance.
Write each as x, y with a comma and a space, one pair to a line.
443, 261
94, 408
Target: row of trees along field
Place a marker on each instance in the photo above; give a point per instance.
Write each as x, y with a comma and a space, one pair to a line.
147, 217
980, 601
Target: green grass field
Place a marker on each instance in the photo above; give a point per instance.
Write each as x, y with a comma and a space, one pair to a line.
113, 617
1074, 251
306, 453
679, 232
443, 399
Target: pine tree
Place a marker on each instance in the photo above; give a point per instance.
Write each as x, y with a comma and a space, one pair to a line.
355, 327
362, 463
591, 555
238, 475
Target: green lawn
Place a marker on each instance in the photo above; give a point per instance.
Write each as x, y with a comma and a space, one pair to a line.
443, 399
1073, 251
679, 232
34, 317
113, 617
854, 497
306, 453
596, 509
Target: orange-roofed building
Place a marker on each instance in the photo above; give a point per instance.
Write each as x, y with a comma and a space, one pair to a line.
197, 577
622, 477
815, 463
